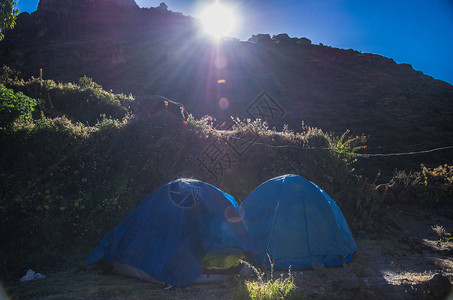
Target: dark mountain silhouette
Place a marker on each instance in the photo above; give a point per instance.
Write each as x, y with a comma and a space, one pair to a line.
154, 51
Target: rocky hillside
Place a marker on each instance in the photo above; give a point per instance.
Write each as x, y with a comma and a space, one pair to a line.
159, 52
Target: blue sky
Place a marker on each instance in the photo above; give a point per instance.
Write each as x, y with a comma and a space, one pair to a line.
418, 32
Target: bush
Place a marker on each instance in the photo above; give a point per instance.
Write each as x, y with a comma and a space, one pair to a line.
64, 184
84, 101
346, 147
429, 187
14, 107
433, 186
88, 83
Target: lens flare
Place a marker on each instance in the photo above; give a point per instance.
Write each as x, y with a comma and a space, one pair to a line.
232, 215
218, 20
224, 103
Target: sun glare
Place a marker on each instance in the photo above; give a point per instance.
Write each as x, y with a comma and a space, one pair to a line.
217, 20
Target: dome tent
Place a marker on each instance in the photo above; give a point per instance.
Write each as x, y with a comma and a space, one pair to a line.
171, 231
297, 224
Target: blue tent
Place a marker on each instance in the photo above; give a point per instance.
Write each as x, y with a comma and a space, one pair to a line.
297, 224
170, 232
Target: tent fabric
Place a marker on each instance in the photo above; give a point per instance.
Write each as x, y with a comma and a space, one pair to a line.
170, 232
292, 222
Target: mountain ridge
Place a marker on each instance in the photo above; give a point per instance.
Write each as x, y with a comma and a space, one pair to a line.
59, 5
159, 52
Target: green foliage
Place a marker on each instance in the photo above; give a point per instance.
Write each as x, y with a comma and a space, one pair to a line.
84, 102
106, 124
256, 126
346, 147
308, 153
444, 236
8, 16
88, 83
7, 74
316, 138
267, 289
203, 126
14, 107
442, 175
429, 187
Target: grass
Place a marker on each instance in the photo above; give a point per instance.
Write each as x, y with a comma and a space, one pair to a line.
267, 290
271, 288
411, 277
442, 233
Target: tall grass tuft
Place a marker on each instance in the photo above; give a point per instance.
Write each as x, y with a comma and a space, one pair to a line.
267, 289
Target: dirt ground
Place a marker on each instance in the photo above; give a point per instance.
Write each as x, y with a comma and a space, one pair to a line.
394, 261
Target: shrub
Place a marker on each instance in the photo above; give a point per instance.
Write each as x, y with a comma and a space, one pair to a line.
65, 184
14, 107
7, 74
346, 147
429, 187
88, 83
433, 186
84, 101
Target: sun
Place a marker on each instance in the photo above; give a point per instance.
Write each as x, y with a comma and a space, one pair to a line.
218, 20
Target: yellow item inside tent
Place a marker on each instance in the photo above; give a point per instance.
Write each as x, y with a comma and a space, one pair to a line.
222, 259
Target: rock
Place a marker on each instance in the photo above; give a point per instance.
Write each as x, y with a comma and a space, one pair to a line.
31, 275
304, 41
283, 38
439, 285
162, 7
260, 39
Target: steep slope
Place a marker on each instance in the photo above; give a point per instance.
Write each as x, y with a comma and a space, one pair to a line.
156, 51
